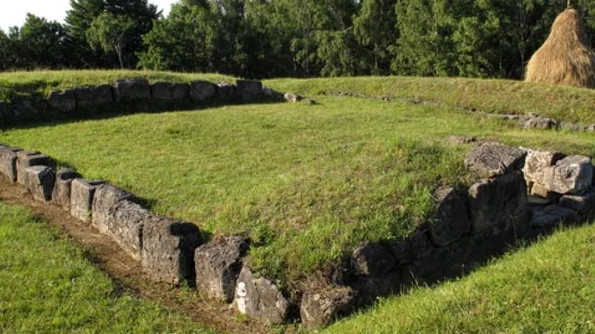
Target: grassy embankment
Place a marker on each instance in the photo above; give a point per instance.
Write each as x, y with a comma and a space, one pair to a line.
48, 286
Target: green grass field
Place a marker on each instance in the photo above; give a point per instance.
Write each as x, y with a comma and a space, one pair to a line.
48, 286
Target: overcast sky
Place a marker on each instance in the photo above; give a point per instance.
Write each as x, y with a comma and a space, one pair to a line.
13, 12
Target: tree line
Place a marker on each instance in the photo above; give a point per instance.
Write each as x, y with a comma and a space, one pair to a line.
293, 38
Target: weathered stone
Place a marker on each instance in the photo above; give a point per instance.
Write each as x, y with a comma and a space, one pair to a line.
460, 140
23, 109
202, 90
26, 159
125, 224
93, 96
452, 217
292, 97
536, 164
320, 308
132, 90
539, 190
218, 264
225, 91
39, 180
415, 247
81, 198
570, 175
62, 100
552, 216
168, 250
584, 204
169, 91
372, 260
570, 126
8, 162
536, 122
492, 159
260, 299
495, 200
61, 193
104, 201
248, 90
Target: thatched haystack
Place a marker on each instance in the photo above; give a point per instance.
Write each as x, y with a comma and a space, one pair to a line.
566, 57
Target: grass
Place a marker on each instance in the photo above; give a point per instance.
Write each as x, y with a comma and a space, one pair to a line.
547, 288
48, 286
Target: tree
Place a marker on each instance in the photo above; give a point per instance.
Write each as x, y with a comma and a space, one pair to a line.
109, 32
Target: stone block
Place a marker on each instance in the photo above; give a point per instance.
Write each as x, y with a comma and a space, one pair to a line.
292, 97
319, 309
26, 159
81, 198
132, 90
225, 92
104, 201
552, 216
452, 217
493, 159
272, 95
168, 250
61, 193
570, 175
202, 90
413, 248
584, 203
260, 299
372, 260
536, 122
93, 96
539, 190
248, 90
39, 180
23, 109
218, 264
8, 163
126, 224
537, 162
62, 100
496, 200
169, 91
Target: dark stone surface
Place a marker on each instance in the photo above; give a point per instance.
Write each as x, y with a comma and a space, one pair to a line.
8, 163
320, 308
81, 198
62, 100
225, 92
168, 250
3, 110
272, 95
372, 260
552, 216
248, 90
260, 299
93, 96
132, 90
202, 90
584, 204
125, 224
39, 180
493, 159
169, 91
218, 264
104, 201
23, 109
497, 199
415, 247
61, 192
26, 159
452, 217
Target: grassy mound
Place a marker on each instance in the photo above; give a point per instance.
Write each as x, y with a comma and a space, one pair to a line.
548, 287
48, 286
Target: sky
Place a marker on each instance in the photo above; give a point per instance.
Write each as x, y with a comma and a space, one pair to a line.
13, 12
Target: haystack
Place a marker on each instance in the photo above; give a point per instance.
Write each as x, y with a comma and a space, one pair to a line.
566, 57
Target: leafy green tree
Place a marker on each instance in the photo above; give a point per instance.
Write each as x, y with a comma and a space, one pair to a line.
109, 32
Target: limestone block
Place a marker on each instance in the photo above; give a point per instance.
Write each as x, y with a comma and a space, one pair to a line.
39, 180
202, 90
225, 91
570, 175
292, 97
168, 250
8, 162
320, 308
61, 193
62, 100
104, 201
260, 299
125, 225
93, 96
248, 90
169, 91
132, 90
452, 217
496, 200
26, 159
536, 164
218, 264
81, 198
492, 159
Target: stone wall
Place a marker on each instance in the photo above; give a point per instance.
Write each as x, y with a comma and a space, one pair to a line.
520, 193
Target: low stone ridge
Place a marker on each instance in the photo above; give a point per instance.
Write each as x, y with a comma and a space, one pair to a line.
225, 92
125, 222
39, 180
26, 159
168, 248
62, 100
272, 95
493, 159
23, 109
260, 299
452, 217
202, 90
417, 246
169, 91
93, 96
248, 90
61, 192
104, 201
8, 162
537, 122
132, 90
81, 198
320, 309
218, 264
